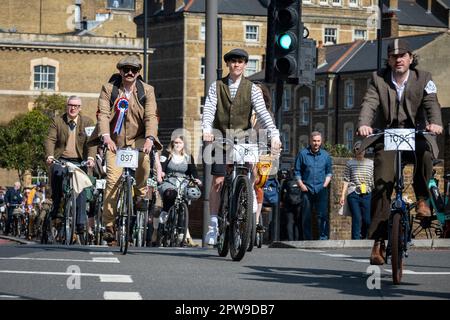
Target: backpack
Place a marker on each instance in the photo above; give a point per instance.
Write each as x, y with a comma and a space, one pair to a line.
293, 193
271, 192
116, 80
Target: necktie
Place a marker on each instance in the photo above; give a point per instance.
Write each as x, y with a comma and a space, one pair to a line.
72, 125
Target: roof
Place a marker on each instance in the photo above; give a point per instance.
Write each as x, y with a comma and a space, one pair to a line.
360, 56
411, 13
446, 2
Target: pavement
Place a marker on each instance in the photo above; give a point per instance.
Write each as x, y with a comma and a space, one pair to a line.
316, 244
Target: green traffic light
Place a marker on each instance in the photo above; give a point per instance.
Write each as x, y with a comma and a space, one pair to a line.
285, 41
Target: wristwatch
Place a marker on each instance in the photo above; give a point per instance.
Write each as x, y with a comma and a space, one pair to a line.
151, 138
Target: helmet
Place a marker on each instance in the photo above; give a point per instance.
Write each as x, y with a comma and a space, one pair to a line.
193, 193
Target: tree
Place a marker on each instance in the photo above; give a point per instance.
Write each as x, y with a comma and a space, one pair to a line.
22, 140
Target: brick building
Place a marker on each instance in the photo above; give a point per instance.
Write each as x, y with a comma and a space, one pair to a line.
46, 49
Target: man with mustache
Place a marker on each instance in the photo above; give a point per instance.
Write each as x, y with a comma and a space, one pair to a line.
399, 96
137, 129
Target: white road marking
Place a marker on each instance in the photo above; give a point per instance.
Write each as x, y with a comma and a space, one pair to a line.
103, 277
115, 278
117, 295
438, 273
101, 252
95, 259
310, 250
359, 260
336, 255
8, 296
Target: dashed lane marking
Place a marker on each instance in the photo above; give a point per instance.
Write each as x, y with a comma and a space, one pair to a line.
336, 255
117, 295
438, 273
8, 296
94, 259
101, 252
103, 277
358, 260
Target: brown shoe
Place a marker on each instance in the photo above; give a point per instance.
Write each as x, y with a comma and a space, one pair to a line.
375, 256
422, 210
383, 250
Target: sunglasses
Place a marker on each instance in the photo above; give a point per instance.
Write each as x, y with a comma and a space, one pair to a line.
128, 69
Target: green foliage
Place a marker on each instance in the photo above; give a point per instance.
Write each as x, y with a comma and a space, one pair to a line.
337, 150
51, 105
22, 140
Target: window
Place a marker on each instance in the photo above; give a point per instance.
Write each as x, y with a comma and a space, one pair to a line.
349, 93
252, 67
320, 95
202, 31
120, 4
306, 1
252, 33
336, 2
303, 142
44, 77
304, 111
286, 99
348, 135
353, 3
360, 34
202, 67
330, 36
323, 2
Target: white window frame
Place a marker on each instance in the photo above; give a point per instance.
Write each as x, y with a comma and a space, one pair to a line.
202, 67
349, 136
359, 38
323, 2
354, 4
258, 32
304, 114
47, 62
349, 95
257, 68
286, 102
325, 35
320, 85
202, 33
336, 3
306, 1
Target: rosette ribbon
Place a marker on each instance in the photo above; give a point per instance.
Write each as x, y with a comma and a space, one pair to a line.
121, 107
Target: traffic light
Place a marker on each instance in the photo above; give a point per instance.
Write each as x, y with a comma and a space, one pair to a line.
288, 37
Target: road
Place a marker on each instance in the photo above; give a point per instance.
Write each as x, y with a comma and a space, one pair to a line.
97, 273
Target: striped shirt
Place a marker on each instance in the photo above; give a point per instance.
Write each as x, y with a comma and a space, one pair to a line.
258, 105
357, 172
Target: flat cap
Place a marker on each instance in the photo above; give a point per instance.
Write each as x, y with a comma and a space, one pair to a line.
132, 61
236, 53
399, 46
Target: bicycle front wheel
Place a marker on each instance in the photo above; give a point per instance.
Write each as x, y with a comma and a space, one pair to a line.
241, 220
126, 211
397, 249
223, 234
69, 219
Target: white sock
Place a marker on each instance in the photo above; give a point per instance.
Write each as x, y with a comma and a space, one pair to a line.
255, 203
155, 223
213, 221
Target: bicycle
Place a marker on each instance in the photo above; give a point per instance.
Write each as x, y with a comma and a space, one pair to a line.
99, 228
173, 231
439, 219
145, 209
65, 234
398, 140
235, 216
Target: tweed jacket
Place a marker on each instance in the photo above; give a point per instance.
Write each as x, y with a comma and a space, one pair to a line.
141, 121
59, 133
379, 104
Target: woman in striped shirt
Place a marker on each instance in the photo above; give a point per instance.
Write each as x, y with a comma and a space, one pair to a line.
357, 187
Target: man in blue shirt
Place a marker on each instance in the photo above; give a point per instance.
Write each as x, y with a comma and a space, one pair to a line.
313, 173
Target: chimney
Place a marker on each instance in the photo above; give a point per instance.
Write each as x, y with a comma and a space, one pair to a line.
390, 20
321, 57
171, 6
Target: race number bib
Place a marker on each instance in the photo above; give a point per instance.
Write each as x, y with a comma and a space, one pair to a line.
246, 153
100, 184
127, 158
399, 139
